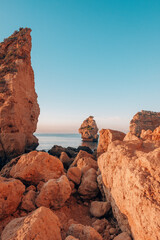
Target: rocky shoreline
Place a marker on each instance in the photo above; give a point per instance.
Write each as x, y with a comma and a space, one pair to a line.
72, 193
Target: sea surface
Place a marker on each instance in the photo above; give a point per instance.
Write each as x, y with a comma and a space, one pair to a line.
48, 140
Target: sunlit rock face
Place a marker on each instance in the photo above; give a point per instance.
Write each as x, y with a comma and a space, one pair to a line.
106, 137
89, 130
131, 175
19, 109
144, 120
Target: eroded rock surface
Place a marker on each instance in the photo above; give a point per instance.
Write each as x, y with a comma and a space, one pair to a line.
19, 109
41, 224
149, 135
132, 176
89, 130
11, 191
37, 166
106, 137
54, 193
144, 120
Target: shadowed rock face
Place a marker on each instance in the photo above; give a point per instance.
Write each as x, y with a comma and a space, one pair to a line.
89, 130
144, 120
19, 109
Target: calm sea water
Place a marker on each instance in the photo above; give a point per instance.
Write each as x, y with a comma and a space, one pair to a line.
47, 141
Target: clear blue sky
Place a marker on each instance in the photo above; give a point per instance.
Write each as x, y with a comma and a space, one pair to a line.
90, 57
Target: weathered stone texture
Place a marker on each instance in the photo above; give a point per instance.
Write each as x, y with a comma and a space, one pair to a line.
19, 109
144, 120
89, 130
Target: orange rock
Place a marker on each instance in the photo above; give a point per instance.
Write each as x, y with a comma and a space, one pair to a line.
54, 193
144, 120
149, 135
42, 224
28, 201
87, 162
99, 209
106, 137
19, 109
74, 174
37, 166
132, 180
80, 155
122, 236
89, 130
83, 232
11, 191
88, 188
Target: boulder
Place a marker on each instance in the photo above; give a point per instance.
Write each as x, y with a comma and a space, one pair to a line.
11, 191
19, 109
81, 154
28, 201
57, 150
106, 137
39, 225
65, 160
87, 162
123, 236
74, 174
132, 180
89, 130
37, 166
100, 225
54, 193
144, 120
83, 232
85, 148
71, 238
99, 209
88, 188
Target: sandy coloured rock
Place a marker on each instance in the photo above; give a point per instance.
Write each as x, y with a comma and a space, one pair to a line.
39, 225
87, 162
100, 225
11, 191
122, 236
88, 188
83, 232
89, 130
99, 209
28, 201
54, 193
37, 166
106, 137
81, 154
132, 179
19, 109
74, 174
149, 135
71, 238
144, 120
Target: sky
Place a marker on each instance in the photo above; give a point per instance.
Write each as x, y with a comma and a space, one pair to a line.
90, 57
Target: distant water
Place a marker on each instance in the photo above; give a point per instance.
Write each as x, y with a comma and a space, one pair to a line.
47, 141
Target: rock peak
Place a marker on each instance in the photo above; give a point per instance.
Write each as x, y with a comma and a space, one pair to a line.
19, 109
89, 130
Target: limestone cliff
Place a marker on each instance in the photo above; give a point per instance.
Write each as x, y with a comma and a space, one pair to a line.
19, 109
144, 120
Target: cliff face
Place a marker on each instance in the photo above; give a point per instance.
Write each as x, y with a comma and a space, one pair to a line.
144, 120
131, 175
19, 109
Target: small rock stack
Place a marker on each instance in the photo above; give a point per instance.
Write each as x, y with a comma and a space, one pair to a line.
89, 130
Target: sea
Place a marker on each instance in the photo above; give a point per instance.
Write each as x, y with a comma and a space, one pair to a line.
48, 140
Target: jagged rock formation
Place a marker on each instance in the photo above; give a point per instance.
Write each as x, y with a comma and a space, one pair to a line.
89, 130
131, 175
144, 120
106, 137
149, 135
19, 109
